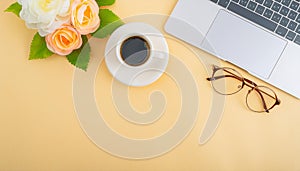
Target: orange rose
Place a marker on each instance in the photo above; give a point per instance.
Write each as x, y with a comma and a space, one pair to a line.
64, 40
85, 16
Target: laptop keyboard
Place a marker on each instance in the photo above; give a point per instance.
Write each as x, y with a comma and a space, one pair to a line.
279, 16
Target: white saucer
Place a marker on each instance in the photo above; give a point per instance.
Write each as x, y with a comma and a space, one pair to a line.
146, 73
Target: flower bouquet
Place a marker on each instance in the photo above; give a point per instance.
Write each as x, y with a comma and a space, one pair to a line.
64, 26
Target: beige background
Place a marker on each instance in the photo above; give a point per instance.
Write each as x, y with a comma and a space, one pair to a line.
39, 129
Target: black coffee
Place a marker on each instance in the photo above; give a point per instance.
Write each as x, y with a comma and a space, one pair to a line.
135, 51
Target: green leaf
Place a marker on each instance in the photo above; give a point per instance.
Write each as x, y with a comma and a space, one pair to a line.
108, 24
38, 48
81, 57
14, 8
105, 2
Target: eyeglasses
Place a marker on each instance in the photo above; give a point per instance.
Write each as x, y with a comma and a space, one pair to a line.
259, 98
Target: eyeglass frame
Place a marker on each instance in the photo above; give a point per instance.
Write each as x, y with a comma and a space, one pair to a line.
248, 83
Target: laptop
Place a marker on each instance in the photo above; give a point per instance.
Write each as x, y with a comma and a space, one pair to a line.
259, 36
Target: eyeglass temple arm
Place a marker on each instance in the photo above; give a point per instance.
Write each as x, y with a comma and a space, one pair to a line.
254, 85
222, 76
215, 68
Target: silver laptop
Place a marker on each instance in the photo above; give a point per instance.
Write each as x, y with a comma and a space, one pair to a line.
259, 36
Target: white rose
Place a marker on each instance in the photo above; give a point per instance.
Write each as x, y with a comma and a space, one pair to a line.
45, 15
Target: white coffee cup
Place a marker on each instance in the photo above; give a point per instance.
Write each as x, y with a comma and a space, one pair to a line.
146, 56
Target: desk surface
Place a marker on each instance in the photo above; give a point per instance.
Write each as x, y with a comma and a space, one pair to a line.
39, 128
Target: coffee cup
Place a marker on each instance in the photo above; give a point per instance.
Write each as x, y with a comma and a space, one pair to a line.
136, 54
